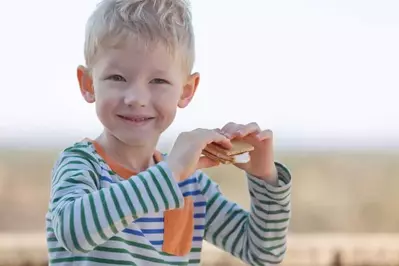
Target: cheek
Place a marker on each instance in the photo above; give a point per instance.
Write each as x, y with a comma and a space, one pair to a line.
106, 101
167, 101
166, 105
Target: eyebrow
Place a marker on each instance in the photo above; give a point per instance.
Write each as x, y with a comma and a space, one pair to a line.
160, 72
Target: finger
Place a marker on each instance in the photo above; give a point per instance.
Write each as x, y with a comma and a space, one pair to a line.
256, 138
265, 134
207, 136
205, 162
230, 129
248, 129
219, 139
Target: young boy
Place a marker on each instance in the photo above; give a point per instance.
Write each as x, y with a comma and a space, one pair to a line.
115, 200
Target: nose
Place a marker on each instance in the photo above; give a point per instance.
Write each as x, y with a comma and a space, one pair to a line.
137, 95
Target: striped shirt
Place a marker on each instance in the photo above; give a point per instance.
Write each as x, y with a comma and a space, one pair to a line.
95, 217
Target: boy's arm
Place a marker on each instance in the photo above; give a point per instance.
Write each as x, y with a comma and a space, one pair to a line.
257, 237
84, 217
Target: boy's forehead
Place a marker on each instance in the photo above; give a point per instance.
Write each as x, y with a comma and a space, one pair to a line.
131, 54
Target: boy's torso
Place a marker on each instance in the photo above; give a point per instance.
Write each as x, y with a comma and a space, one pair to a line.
141, 242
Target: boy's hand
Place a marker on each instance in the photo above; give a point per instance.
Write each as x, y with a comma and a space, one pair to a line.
261, 164
185, 157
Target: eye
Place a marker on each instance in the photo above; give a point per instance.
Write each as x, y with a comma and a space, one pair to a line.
159, 81
118, 78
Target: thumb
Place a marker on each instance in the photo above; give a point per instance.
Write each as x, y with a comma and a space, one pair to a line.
205, 162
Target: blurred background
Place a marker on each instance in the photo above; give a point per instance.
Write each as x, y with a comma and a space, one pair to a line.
323, 75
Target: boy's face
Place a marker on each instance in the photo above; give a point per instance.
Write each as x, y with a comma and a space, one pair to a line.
137, 91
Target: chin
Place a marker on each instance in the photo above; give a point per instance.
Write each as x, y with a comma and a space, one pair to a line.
139, 141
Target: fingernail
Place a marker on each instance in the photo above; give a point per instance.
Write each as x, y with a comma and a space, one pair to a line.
224, 134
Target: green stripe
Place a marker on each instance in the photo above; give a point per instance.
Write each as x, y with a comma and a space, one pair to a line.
263, 187
284, 198
61, 221
159, 187
238, 238
201, 176
226, 223
238, 226
84, 225
107, 213
269, 202
149, 192
276, 212
72, 229
84, 154
262, 238
139, 256
262, 228
118, 207
127, 198
79, 145
57, 177
269, 221
170, 186
91, 259
217, 212
268, 250
138, 194
95, 218
208, 184
212, 201
53, 250
132, 243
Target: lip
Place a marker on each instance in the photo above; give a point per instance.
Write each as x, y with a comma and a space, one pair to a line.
136, 118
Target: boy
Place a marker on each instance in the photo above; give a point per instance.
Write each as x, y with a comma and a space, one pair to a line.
115, 200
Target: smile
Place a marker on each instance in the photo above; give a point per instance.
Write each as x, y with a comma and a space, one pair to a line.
136, 119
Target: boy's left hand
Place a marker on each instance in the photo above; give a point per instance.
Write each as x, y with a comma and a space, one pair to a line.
261, 164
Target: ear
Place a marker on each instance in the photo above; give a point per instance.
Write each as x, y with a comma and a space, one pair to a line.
189, 90
86, 84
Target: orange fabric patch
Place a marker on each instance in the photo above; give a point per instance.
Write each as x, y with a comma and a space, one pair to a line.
179, 229
178, 223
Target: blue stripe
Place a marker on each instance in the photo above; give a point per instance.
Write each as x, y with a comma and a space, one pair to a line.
106, 179
199, 215
199, 227
152, 231
149, 220
160, 242
188, 181
133, 232
191, 193
156, 242
200, 204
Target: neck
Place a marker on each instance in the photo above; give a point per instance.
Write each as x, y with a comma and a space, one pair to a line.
135, 158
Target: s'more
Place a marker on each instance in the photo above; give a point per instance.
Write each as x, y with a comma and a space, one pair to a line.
239, 153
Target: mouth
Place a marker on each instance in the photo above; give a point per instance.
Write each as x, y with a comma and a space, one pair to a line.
136, 119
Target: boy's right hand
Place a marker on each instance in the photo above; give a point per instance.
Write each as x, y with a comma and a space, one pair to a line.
185, 156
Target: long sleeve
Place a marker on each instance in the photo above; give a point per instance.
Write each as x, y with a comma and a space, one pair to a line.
84, 216
257, 237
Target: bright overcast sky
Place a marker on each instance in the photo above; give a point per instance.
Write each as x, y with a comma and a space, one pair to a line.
310, 70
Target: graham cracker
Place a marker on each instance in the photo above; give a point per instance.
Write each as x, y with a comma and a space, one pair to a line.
238, 147
215, 158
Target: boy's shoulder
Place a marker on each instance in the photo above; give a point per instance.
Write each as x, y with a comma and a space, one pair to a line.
80, 147
79, 151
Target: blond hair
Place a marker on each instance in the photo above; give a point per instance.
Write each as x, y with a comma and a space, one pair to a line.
152, 21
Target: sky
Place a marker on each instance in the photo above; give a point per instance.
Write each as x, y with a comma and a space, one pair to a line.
318, 73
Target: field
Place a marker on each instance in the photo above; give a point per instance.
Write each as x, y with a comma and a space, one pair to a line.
339, 199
